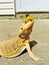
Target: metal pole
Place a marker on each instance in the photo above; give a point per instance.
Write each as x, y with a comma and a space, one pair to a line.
20, 4
15, 7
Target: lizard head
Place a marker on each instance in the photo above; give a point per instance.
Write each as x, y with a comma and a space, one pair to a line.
28, 18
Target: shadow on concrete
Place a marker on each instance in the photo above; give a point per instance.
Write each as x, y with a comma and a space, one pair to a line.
32, 43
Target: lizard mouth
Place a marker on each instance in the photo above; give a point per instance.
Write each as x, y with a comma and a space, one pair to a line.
23, 36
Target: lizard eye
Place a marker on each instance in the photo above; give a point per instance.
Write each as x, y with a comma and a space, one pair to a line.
21, 28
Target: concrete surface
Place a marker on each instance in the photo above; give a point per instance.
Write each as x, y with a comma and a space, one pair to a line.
39, 39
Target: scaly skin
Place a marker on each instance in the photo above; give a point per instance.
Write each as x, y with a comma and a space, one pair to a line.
7, 47
10, 47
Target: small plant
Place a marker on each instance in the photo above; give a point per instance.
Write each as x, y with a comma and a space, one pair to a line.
27, 14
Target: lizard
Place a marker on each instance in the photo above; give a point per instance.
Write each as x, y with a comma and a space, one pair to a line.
15, 46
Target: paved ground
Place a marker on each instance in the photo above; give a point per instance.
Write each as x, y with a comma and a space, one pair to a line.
39, 41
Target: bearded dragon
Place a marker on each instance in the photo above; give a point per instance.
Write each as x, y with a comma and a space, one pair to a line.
16, 46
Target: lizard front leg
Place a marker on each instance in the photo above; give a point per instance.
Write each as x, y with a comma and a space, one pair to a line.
32, 55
